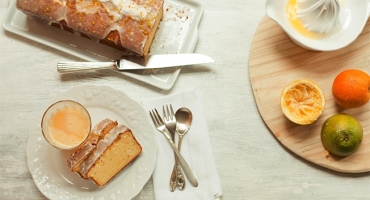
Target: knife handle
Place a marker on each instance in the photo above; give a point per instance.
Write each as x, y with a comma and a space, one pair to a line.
68, 67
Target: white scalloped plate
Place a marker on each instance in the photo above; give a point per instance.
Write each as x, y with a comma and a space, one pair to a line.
177, 33
48, 165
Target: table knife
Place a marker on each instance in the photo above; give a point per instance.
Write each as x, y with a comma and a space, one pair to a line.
137, 63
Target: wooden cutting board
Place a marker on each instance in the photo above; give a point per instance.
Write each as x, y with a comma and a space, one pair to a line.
275, 61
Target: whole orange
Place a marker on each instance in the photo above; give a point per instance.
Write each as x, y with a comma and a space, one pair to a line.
351, 88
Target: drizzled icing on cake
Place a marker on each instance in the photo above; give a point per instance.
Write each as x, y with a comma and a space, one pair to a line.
97, 130
78, 155
101, 147
128, 7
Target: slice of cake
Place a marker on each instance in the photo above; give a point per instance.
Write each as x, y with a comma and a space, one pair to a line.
113, 153
128, 25
98, 132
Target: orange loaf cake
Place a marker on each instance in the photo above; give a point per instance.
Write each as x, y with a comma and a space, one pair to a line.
97, 133
113, 153
128, 25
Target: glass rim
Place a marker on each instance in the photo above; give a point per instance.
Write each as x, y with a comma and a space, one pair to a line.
53, 105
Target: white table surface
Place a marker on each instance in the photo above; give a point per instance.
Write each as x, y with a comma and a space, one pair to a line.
251, 163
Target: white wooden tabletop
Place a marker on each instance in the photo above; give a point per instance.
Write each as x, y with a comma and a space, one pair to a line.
251, 163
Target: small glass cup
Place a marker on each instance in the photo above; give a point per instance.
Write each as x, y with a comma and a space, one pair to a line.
66, 124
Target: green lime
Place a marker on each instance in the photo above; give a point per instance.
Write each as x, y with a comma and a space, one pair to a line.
341, 134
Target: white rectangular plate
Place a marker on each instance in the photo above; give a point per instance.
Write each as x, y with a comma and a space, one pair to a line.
177, 33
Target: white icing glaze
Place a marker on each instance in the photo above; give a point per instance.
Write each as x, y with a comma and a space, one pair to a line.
79, 154
101, 147
100, 126
127, 7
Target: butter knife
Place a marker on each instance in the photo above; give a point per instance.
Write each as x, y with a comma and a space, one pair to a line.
137, 63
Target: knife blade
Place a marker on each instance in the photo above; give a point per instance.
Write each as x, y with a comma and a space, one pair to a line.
137, 63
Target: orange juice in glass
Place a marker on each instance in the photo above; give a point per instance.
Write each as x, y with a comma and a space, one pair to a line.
66, 124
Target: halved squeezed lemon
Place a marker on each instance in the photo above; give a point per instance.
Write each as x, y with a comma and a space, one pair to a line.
302, 101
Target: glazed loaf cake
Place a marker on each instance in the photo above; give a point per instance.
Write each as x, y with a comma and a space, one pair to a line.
128, 25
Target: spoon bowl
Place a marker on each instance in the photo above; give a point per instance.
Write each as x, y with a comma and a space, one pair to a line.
184, 118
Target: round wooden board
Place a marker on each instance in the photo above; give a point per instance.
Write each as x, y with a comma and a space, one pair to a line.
275, 61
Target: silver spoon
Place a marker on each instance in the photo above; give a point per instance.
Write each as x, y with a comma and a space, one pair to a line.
184, 118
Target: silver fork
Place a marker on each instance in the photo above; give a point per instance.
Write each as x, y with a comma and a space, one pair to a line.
177, 178
159, 124
170, 122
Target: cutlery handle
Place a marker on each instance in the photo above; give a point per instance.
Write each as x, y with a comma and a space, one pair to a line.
180, 177
188, 172
178, 170
173, 180
68, 67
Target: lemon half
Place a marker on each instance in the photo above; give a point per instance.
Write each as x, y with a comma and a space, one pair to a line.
302, 101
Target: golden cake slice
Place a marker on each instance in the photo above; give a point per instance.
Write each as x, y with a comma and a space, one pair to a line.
113, 153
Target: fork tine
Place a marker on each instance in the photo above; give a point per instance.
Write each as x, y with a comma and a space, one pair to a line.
172, 113
168, 113
164, 112
153, 118
158, 117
